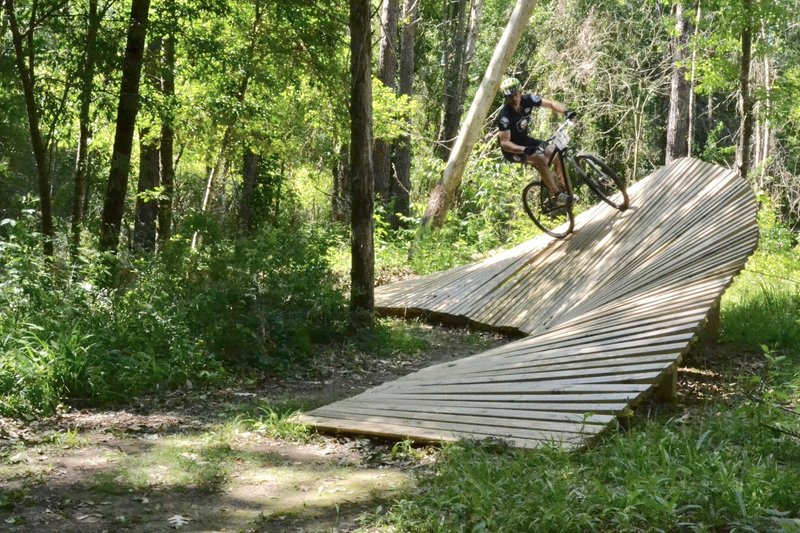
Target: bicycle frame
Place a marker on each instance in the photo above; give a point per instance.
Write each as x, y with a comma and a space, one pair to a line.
591, 170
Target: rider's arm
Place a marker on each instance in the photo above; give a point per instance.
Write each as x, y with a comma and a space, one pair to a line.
506, 145
558, 107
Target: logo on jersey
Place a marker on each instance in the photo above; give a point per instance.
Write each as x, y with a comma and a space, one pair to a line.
522, 125
504, 122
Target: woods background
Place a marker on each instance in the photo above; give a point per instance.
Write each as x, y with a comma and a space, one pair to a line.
176, 177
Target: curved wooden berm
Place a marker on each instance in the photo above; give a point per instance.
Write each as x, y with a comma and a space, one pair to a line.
609, 311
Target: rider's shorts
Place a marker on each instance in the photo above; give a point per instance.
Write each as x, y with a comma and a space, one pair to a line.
518, 158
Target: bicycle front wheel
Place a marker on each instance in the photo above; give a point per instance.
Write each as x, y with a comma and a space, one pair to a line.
556, 220
604, 182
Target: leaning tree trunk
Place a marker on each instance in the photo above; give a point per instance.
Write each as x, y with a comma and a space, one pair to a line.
27, 77
114, 206
454, 73
442, 195
362, 273
81, 162
678, 120
387, 70
746, 98
400, 189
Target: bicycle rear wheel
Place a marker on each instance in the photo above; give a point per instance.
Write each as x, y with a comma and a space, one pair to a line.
556, 220
604, 182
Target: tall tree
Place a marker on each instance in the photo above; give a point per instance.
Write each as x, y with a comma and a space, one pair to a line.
249, 178
387, 70
84, 124
144, 229
678, 119
167, 127
362, 272
26, 65
400, 187
746, 98
128, 107
455, 46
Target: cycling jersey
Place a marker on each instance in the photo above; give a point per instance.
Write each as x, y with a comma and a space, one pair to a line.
517, 123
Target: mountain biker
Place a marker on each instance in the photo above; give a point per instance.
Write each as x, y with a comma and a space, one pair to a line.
518, 147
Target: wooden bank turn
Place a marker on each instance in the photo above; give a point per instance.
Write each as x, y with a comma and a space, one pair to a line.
609, 311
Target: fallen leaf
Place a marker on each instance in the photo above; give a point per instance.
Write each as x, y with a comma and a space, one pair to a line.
177, 521
21, 457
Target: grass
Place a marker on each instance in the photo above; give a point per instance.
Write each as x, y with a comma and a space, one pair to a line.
279, 425
717, 470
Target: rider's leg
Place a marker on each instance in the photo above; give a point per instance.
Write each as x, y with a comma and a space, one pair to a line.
560, 173
551, 181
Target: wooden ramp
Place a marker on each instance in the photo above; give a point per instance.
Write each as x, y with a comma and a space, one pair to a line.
609, 312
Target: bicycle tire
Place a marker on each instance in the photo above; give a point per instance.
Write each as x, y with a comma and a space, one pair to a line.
604, 182
540, 206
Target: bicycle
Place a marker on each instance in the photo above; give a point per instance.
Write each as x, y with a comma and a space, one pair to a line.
540, 204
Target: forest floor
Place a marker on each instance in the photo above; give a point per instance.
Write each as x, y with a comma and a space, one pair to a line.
197, 461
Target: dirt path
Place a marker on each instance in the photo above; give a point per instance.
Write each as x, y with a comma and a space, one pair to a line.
218, 460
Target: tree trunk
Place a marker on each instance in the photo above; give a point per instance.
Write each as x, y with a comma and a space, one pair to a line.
678, 120
387, 70
340, 200
475, 15
400, 189
454, 72
114, 206
27, 78
767, 108
144, 228
442, 195
362, 274
167, 132
690, 133
81, 162
746, 98
146, 214
249, 178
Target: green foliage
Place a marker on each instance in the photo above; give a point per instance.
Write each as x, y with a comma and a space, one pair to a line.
717, 470
390, 112
763, 306
266, 300
182, 317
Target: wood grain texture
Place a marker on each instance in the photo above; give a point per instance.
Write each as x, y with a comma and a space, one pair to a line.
608, 311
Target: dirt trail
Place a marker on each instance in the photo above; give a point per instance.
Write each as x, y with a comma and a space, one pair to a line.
180, 461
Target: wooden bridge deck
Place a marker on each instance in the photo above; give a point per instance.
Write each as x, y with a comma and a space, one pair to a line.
609, 311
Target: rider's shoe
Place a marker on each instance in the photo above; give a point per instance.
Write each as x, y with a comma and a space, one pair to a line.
565, 199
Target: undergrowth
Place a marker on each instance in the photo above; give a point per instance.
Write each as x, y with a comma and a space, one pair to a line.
182, 316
